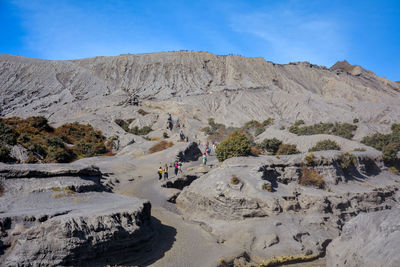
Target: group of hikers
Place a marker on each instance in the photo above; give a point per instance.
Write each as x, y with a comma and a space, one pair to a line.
164, 171
170, 124
208, 151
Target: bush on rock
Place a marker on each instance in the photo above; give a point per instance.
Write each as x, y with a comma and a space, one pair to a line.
236, 145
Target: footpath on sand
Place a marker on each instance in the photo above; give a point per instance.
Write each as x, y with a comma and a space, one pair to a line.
192, 246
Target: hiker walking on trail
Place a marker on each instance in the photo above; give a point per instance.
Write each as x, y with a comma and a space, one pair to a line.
180, 167
160, 171
205, 158
166, 171
176, 165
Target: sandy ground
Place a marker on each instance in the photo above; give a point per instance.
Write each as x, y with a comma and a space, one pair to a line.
180, 242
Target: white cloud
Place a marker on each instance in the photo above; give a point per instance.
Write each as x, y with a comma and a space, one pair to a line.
293, 36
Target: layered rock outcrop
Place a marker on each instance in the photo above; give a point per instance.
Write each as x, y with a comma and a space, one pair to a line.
60, 214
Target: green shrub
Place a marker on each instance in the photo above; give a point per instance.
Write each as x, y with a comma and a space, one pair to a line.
298, 123
347, 160
356, 120
236, 145
310, 159
359, 149
142, 112
58, 154
5, 154
7, 134
389, 153
123, 124
83, 149
344, 130
44, 142
55, 141
387, 143
270, 145
287, 149
325, 145
252, 124
259, 131
140, 131
268, 122
217, 131
377, 141
394, 170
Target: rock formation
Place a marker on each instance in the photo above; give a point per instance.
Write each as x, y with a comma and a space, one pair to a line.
58, 214
367, 240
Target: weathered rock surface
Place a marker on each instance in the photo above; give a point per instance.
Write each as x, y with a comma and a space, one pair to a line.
370, 239
183, 180
60, 214
304, 219
214, 195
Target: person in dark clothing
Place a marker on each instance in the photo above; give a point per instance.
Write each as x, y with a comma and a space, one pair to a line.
176, 165
166, 172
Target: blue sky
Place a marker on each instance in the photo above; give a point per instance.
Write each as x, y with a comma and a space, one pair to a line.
366, 32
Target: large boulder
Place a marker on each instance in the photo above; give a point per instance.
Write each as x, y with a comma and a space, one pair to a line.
370, 239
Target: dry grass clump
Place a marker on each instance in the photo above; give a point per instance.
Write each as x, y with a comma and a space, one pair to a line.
235, 180
311, 178
142, 112
267, 187
256, 151
160, 146
64, 191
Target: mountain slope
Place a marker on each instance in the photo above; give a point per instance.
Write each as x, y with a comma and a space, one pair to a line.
232, 89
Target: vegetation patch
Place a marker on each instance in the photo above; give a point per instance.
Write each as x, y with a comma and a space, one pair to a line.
394, 170
325, 145
359, 149
345, 130
44, 143
270, 145
7, 134
311, 178
287, 149
235, 180
267, 187
160, 146
140, 131
256, 151
310, 159
142, 112
5, 154
123, 124
347, 160
217, 131
389, 144
236, 145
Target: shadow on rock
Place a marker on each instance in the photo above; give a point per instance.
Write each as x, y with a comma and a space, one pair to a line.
163, 240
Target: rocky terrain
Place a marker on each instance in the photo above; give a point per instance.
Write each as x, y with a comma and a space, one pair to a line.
244, 211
